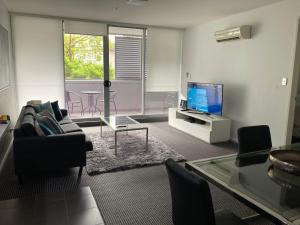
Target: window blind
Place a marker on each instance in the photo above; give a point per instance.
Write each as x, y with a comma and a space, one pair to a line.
128, 61
87, 28
38, 48
163, 59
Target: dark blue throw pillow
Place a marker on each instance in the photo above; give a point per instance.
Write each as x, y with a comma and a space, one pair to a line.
56, 110
47, 131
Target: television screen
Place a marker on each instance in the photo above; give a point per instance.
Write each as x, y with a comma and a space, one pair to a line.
206, 98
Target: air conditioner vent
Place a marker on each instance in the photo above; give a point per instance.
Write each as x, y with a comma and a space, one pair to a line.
243, 32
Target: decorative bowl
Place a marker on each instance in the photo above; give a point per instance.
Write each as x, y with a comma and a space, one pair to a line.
286, 160
284, 179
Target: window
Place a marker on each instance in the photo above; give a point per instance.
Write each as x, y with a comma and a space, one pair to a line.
83, 55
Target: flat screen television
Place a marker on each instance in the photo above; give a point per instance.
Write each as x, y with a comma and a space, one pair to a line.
205, 98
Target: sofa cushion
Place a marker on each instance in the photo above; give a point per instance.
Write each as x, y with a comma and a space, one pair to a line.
65, 120
64, 112
46, 123
38, 129
56, 110
88, 143
70, 127
45, 129
41, 107
54, 122
27, 125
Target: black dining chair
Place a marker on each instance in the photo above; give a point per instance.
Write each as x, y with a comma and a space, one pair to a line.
254, 138
191, 199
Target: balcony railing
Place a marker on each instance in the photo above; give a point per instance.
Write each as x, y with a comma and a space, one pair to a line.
128, 98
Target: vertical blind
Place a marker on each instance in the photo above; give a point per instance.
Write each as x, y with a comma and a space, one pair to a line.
128, 61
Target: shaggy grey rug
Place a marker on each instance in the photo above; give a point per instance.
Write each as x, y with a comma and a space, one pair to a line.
131, 152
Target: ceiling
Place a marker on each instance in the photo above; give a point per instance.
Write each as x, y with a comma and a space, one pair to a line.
168, 13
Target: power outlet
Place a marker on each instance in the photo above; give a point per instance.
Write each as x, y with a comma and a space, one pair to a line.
284, 81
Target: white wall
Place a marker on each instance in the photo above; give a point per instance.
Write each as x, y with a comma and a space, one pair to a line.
251, 70
38, 45
163, 59
8, 102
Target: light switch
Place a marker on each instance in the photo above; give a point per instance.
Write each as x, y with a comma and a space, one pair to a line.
284, 81
188, 75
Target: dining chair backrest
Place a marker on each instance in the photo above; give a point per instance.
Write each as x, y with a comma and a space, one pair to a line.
254, 138
68, 96
112, 94
191, 197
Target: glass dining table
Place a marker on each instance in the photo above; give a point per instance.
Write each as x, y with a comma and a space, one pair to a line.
253, 180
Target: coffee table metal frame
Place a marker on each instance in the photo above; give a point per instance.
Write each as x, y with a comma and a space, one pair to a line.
122, 129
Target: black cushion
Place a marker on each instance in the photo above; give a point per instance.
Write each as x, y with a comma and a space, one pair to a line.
56, 111
254, 138
70, 127
64, 112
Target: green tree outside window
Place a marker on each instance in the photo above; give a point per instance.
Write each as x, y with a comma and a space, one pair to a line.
83, 55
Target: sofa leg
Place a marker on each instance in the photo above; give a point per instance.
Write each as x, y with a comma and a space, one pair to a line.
20, 179
80, 171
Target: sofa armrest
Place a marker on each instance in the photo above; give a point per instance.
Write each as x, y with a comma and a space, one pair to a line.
60, 143
64, 112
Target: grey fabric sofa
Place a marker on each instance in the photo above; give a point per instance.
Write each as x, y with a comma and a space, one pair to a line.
34, 153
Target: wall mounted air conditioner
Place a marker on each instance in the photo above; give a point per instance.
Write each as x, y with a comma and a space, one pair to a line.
243, 32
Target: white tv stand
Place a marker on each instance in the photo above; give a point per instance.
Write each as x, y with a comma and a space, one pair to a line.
209, 128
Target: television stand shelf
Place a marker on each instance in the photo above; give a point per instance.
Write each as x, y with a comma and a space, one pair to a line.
209, 128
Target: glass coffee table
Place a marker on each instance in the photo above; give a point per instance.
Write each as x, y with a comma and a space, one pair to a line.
121, 124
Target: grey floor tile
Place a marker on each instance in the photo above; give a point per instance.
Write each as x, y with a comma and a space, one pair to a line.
51, 212
79, 203
84, 191
20, 203
86, 217
50, 197
16, 217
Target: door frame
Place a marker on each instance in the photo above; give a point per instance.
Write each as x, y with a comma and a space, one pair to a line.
294, 88
143, 67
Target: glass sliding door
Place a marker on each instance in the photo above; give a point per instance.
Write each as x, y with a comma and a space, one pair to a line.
126, 70
84, 73
84, 69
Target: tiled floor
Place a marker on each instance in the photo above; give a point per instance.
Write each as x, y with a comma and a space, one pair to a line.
62, 208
